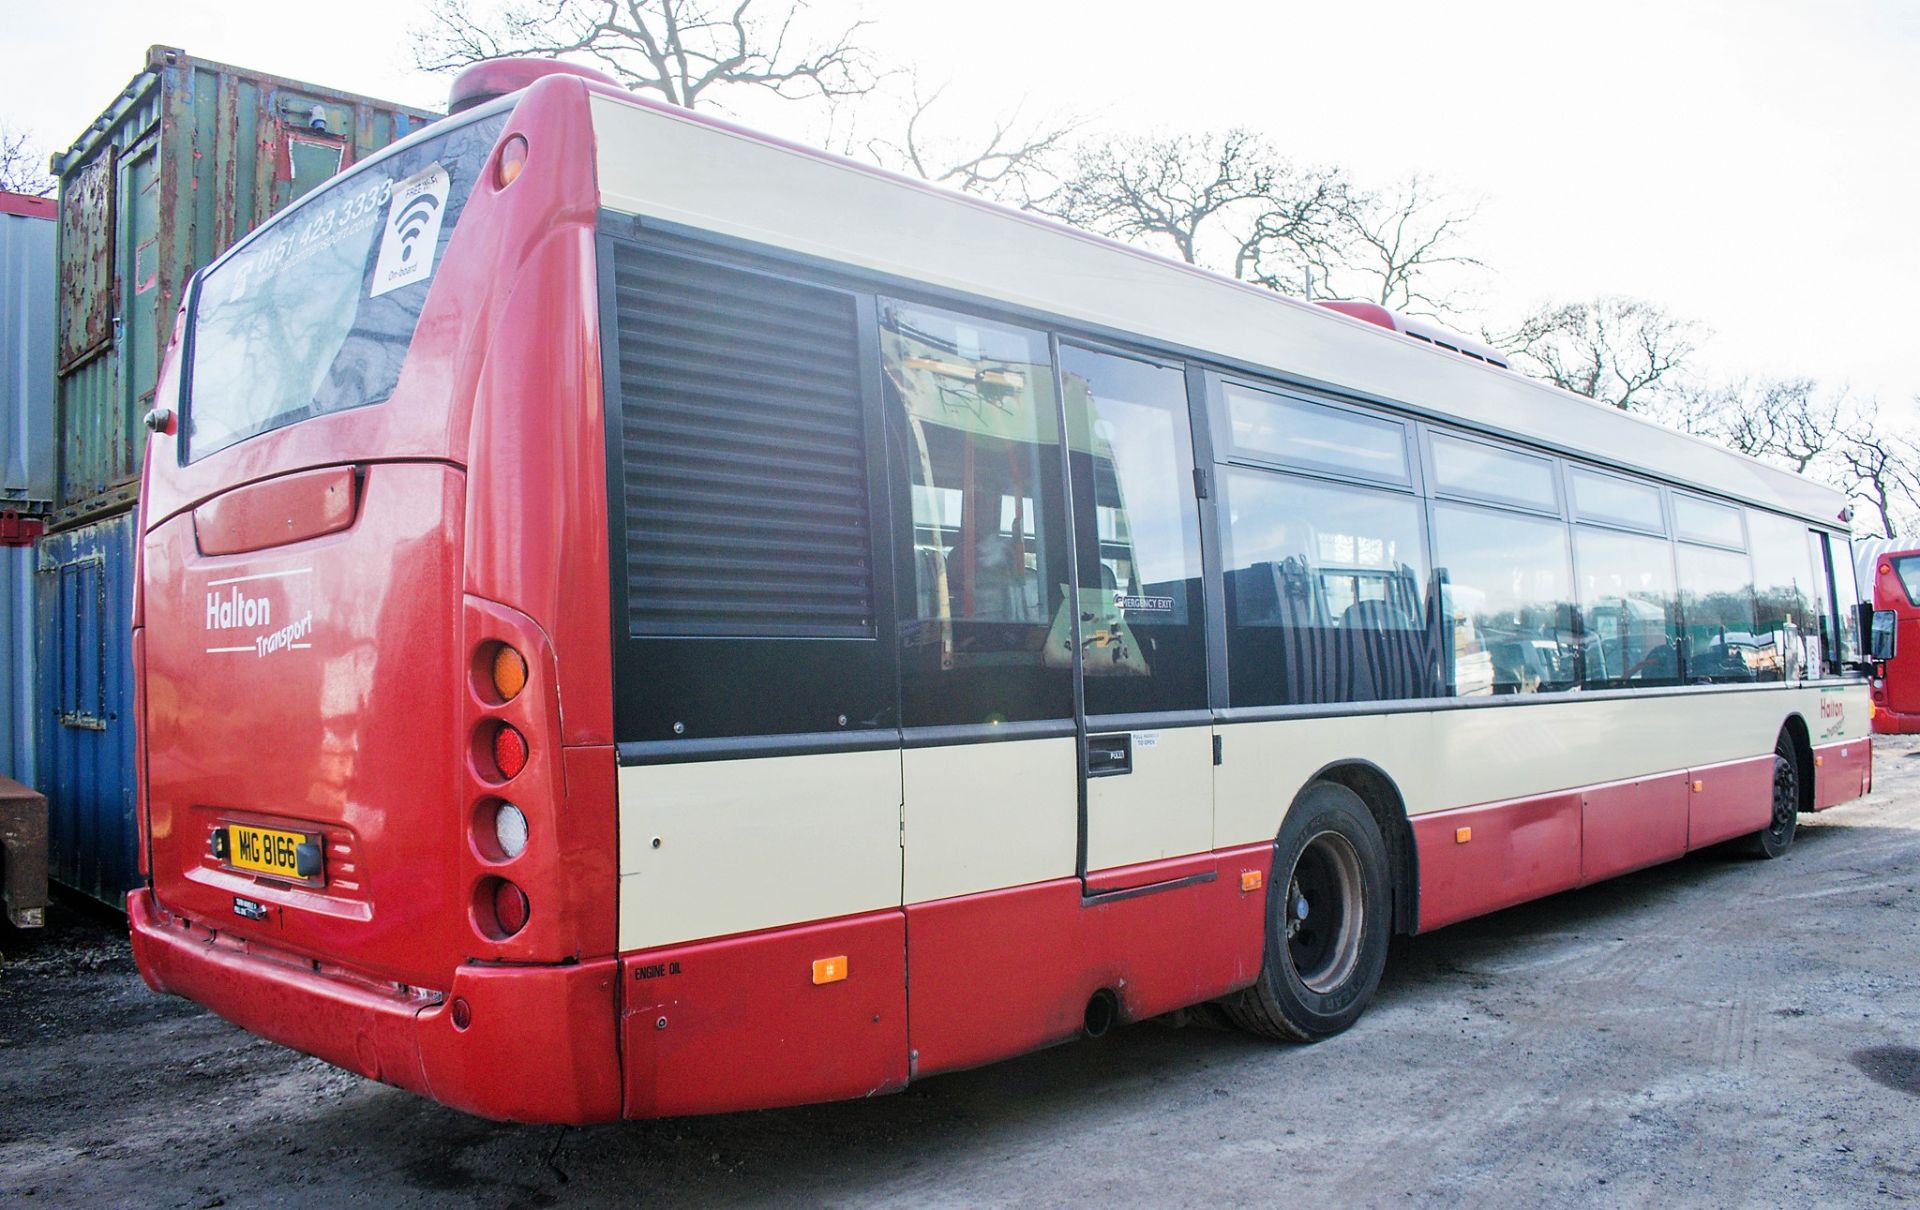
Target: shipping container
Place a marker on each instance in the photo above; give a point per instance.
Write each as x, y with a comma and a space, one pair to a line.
26, 352
189, 158
19, 695
84, 593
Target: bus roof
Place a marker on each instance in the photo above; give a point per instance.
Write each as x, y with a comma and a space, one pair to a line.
685, 168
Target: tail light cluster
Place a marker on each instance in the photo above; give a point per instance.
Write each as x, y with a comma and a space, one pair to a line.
501, 754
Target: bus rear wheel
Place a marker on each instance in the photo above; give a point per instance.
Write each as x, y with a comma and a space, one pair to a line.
1774, 839
1328, 920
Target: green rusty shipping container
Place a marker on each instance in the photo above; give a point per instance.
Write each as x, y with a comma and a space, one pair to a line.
192, 156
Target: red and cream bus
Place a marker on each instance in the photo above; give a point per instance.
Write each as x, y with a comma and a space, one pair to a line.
640, 618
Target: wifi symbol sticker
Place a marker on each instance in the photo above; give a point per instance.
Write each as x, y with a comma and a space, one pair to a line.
412, 235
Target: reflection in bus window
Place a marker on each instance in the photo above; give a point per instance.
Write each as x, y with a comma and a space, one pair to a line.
1847, 587
1326, 593
1783, 593
1716, 605
1143, 641
1268, 426
1508, 601
974, 405
1630, 628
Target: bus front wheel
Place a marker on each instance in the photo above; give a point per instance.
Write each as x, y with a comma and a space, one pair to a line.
1774, 839
1329, 912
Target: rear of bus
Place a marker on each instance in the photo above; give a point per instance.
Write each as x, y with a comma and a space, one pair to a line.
372, 639
1896, 682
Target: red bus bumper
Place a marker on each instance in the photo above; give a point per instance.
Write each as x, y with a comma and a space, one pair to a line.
1894, 722
538, 1044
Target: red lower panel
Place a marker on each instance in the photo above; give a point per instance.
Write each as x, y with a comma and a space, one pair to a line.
1628, 825
1842, 773
1725, 801
538, 1047
1005, 972
1509, 852
741, 1023
1894, 722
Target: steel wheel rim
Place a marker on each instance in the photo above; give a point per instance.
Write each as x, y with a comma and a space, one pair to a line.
1786, 797
1324, 912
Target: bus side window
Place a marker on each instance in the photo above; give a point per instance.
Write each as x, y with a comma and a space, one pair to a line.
1628, 609
1716, 610
1507, 600
1783, 592
974, 409
1129, 445
1326, 592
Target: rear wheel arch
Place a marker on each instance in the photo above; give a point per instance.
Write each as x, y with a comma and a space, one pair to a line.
1795, 729
1389, 809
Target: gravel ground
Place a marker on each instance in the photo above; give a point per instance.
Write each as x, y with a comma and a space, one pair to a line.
1714, 1031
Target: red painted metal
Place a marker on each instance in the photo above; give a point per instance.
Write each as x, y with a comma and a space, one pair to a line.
1732, 799
1842, 772
740, 1024
1629, 825
27, 205
1896, 684
1006, 972
292, 508
1516, 850
16, 530
538, 1045
483, 82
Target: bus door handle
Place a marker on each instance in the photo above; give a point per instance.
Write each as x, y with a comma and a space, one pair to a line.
1109, 755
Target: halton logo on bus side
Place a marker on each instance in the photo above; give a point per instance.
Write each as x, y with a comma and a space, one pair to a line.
271, 612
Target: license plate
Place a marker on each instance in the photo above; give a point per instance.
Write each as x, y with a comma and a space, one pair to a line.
295, 856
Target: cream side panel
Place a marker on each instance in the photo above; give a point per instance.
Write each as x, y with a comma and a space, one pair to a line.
674, 168
1164, 808
1461, 757
1843, 713
984, 816
750, 844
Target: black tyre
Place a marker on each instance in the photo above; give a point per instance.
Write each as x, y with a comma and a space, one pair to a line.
1329, 911
1777, 837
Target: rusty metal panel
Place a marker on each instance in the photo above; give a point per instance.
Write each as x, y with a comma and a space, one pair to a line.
26, 353
192, 156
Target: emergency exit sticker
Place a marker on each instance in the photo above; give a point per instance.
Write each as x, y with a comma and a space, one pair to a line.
413, 232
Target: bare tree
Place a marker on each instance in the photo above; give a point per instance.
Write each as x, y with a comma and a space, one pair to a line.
22, 166
1226, 201
1788, 420
1620, 351
688, 51
1882, 469
1011, 159
1395, 246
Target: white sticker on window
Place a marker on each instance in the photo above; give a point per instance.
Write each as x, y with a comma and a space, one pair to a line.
413, 232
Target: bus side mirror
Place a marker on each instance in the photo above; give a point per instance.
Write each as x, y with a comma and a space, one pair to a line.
1880, 636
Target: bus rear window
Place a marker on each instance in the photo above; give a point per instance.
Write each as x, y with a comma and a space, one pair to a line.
314, 315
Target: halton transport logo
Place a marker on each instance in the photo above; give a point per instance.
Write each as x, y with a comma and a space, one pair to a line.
271, 611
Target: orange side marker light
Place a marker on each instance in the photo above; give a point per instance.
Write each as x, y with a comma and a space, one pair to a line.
509, 673
829, 970
1251, 880
1698, 786
1462, 835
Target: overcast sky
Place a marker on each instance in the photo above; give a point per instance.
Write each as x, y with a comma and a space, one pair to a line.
1754, 164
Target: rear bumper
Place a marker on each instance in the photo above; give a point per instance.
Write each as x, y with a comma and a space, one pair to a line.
1894, 722
538, 1045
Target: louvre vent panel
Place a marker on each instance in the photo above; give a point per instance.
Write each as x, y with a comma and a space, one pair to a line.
743, 450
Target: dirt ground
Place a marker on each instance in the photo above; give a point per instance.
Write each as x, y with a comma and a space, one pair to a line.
1715, 1031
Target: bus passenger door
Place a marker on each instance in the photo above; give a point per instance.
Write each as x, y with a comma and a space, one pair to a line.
1146, 757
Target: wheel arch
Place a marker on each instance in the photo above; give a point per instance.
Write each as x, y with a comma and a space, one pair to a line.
1795, 729
1389, 810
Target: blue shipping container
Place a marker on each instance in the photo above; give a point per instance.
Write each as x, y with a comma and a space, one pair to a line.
84, 587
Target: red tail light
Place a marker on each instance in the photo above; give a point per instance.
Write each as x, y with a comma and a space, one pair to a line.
510, 908
509, 751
